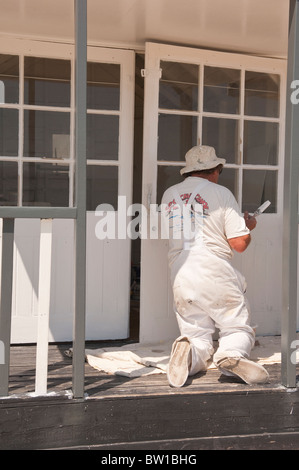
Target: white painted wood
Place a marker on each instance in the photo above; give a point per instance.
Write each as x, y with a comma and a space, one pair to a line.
108, 264
261, 264
108, 283
156, 318
44, 293
254, 27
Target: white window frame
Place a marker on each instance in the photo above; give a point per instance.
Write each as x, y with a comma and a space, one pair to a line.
161, 52
25, 48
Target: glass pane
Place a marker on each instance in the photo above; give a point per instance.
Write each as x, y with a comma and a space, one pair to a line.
102, 186
167, 176
221, 90
46, 134
45, 184
8, 184
258, 187
177, 134
229, 179
9, 132
179, 86
223, 135
9, 78
47, 81
260, 143
103, 86
102, 137
262, 94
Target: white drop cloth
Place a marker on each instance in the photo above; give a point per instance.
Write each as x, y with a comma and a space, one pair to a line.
135, 360
131, 360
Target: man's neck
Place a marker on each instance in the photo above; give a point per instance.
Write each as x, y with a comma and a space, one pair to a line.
202, 175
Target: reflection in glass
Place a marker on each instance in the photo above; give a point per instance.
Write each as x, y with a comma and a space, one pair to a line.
8, 183
102, 186
258, 187
102, 137
47, 81
45, 184
9, 79
229, 179
262, 94
9, 132
223, 135
46, 134
177, 134
167, 176
103, 86
179, 86
221, 90
260, 143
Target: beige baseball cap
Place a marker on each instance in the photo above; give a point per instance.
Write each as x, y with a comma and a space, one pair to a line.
201, 157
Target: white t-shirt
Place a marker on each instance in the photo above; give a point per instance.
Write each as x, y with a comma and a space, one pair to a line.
217, 217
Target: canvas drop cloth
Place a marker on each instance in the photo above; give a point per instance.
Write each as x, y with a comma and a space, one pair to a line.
135, 360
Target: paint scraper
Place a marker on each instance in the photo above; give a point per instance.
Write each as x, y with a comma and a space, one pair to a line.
262, 208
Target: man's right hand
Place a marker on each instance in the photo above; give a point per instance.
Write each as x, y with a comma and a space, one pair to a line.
250, 221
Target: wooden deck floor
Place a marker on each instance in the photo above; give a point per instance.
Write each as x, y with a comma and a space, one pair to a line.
97, 384
210, 411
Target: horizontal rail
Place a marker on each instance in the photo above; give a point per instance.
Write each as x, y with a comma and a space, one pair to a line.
38, 212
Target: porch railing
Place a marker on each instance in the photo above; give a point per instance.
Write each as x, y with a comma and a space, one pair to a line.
290, 209
46, 214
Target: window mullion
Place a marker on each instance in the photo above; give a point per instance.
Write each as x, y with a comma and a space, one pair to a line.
200, 101
72, 167
241, 142
21, 130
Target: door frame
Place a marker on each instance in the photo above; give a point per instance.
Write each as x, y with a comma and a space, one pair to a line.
157, 321
24, 324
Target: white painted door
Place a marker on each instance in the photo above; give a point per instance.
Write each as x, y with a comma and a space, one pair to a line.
37, 166
235, 103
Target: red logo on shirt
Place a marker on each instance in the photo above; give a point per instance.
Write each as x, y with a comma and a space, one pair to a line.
185, 198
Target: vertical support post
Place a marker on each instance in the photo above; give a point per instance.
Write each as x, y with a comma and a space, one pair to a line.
80, 222
290, 208
44, 290
6, 302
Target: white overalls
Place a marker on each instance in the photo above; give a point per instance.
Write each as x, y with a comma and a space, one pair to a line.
208, 293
